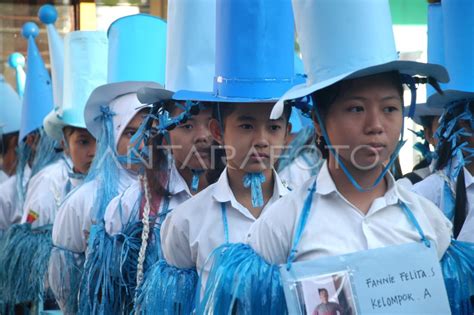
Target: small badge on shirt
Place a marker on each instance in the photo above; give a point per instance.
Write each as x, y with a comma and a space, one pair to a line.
32, 216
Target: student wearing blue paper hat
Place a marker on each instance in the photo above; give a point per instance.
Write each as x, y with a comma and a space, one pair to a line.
112, 115
451, 187
428, 117
48, 188
353, 205
9, 128
133, 219
36, 151
250, 75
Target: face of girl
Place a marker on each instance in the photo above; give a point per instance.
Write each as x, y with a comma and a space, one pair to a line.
81, 147
123, 146
191, 141
252, 141
364, 122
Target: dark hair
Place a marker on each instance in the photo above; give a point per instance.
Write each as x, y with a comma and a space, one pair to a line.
221, 112
324, 98
427, 121
444, 152
9, 141
323, 290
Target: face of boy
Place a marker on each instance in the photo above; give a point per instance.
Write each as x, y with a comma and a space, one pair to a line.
81, 148
127, 134
191, 141
364, 122
252, 141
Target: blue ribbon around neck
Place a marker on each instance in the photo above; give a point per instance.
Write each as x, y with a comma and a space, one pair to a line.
254, 181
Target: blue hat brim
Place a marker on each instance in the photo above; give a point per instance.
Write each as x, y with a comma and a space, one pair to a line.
449, 96
422, 110
435, 71
185, 95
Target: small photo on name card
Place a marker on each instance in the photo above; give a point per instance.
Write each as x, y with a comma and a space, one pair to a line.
326, 294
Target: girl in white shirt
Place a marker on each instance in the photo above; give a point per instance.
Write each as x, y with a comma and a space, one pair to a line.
354, 204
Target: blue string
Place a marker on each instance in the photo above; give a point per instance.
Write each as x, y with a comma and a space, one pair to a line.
301, 225
195, 181
224, 222
414, 221
254, 181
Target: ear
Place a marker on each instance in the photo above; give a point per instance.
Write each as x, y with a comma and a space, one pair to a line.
289, 126
317, 126
215, 129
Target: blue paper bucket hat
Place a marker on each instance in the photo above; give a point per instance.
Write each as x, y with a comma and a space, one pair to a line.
193, 67
343, 39
136, 59
48, 16
10, 108
85, 68
254, 52
17, 62
458, 49
38, 97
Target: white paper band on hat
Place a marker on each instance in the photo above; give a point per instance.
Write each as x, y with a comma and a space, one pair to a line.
124, 107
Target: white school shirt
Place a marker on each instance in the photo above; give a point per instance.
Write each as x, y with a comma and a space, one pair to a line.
194, 229
3, 176
120, 209
10, 212
336, 227
46, 191
432, 189
73, 220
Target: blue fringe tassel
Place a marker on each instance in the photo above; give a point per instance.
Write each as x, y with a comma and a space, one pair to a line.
254, 181
167, 290
458, 270
99, 291
24, 260
242, 282
109, 282
66, 267
105, 168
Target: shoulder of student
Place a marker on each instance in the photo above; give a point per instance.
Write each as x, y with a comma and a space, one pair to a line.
424, 209
430, 188
271, 236
120, 208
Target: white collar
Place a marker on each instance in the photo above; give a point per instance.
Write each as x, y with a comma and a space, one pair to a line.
177, 184
325, 185
222, 193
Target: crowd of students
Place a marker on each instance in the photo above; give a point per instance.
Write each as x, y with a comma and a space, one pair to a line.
180, 167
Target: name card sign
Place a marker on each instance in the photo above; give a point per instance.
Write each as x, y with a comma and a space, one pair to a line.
403, 279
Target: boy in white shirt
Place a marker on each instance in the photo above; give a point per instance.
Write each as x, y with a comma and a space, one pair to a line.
224, 211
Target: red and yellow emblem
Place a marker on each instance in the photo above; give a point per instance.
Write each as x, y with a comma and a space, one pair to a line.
32, 216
